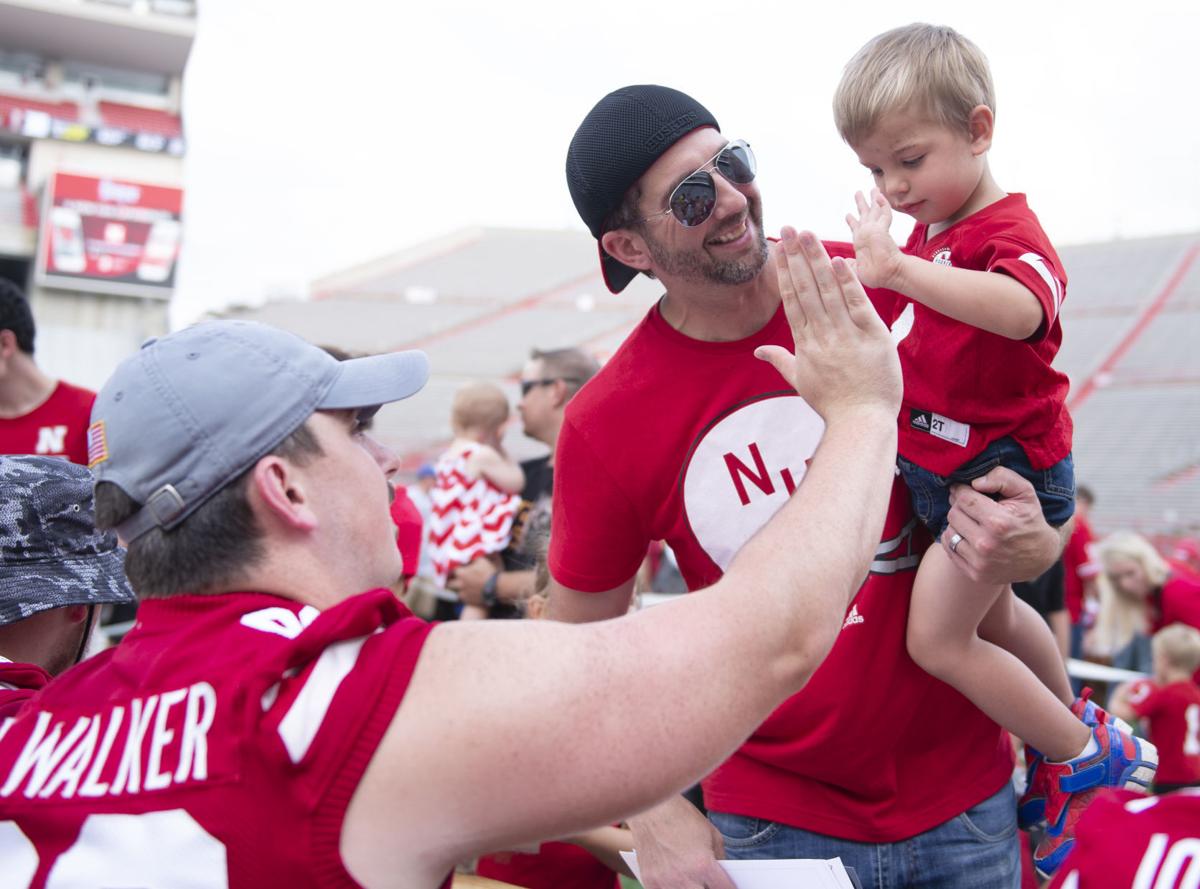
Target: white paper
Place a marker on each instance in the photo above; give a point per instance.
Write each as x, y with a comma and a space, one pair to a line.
785, 873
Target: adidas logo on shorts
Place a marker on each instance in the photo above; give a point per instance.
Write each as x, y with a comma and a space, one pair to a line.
853, 617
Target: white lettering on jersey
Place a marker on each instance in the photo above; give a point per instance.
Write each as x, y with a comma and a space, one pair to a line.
41, 755
152, 849
51, 440
853, 617
1179, 870
280, 621
18, 854
745, 468
304, 718
155, 779
129, 772
1038, 264
48, 766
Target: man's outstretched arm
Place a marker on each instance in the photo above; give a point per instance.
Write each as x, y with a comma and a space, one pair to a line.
516, 732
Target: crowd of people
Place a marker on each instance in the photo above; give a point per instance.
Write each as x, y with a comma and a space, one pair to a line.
889, 559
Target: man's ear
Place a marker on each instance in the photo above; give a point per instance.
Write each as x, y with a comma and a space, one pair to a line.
8, 343
562, 393
76, 614
278, 494
981, 123
627, 246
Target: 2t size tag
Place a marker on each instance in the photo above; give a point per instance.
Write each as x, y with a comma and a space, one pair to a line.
939, 426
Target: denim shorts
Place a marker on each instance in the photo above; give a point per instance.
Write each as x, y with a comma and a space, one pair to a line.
931, 492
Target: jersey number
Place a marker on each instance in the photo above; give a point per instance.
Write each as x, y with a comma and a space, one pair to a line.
1191, 737
1181, 861
125, 852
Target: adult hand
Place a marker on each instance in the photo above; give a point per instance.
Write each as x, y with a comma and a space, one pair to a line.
877, 260
1002, 541
678, 848
469, 579
844, 357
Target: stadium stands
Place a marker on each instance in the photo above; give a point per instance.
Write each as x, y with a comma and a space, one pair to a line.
479, 299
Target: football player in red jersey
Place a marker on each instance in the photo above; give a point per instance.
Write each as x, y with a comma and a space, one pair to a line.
1170, 705
1129, 841
56, 571
267, 724
38, 414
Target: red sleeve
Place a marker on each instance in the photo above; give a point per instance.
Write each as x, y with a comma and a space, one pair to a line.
1181, 602
1034, 270
597, 540
1144, 698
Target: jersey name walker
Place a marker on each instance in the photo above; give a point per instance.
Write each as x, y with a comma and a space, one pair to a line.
221, 741
699, 444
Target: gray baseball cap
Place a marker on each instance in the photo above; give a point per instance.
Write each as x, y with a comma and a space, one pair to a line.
51, 554
190, 412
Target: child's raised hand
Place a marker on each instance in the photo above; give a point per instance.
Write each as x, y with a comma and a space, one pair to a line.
878, 261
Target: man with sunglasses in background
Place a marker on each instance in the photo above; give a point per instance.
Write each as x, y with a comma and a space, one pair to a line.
685, 437
550, 379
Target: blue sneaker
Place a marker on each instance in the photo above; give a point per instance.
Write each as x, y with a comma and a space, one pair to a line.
1121, 761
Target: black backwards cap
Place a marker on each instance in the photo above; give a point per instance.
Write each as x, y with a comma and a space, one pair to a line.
618, 141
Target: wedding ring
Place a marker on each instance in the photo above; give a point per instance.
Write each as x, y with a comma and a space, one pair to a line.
955, 540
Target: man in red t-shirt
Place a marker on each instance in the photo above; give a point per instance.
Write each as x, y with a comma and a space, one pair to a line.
1170, 705
1080, 567
38, 415
1129, 841
684, 437
56, 570
248, 731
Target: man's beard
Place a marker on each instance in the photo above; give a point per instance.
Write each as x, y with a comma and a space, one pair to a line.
699, 266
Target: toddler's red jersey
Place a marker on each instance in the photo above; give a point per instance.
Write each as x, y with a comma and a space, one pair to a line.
1129, 841
220, 742
964, 388
1173, 714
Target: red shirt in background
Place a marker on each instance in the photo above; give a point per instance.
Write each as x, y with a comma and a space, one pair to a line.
1129, 841
1078, 566
1177, 602
18, 682
409, 527
55, 428
554, 866
1173, 712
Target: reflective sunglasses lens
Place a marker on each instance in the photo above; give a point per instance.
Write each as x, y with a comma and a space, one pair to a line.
736, 163
693, 199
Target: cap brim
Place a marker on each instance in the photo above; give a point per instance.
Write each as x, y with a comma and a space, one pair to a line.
377, 379
29, 588
616, 274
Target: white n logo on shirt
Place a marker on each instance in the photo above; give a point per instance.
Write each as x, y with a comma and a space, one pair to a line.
51, 440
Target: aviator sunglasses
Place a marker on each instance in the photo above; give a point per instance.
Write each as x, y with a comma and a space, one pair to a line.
693, 199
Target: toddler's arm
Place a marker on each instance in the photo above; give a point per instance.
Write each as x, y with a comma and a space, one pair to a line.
497, 469
996, 303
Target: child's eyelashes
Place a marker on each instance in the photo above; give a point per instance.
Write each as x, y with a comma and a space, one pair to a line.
912, 162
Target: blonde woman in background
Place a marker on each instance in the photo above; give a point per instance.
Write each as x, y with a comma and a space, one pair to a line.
1142, 579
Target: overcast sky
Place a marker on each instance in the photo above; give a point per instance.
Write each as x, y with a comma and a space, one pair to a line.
322, 134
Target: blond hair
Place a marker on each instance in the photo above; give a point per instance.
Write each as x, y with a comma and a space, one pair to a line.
928, 69
1119, 620
1132, 546
478, 406
1179, 646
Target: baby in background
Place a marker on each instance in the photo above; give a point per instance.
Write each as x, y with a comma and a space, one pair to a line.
476, 494
1169, 704
977, 327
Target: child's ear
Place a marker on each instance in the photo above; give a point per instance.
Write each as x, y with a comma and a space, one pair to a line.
980, 124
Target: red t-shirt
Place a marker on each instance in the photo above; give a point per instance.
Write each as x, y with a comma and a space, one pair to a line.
1177, 602
554, 866
1173, 712
1129, 841
222, 739
964, 388
18, 683
56, 428
699, 444
1078, 566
